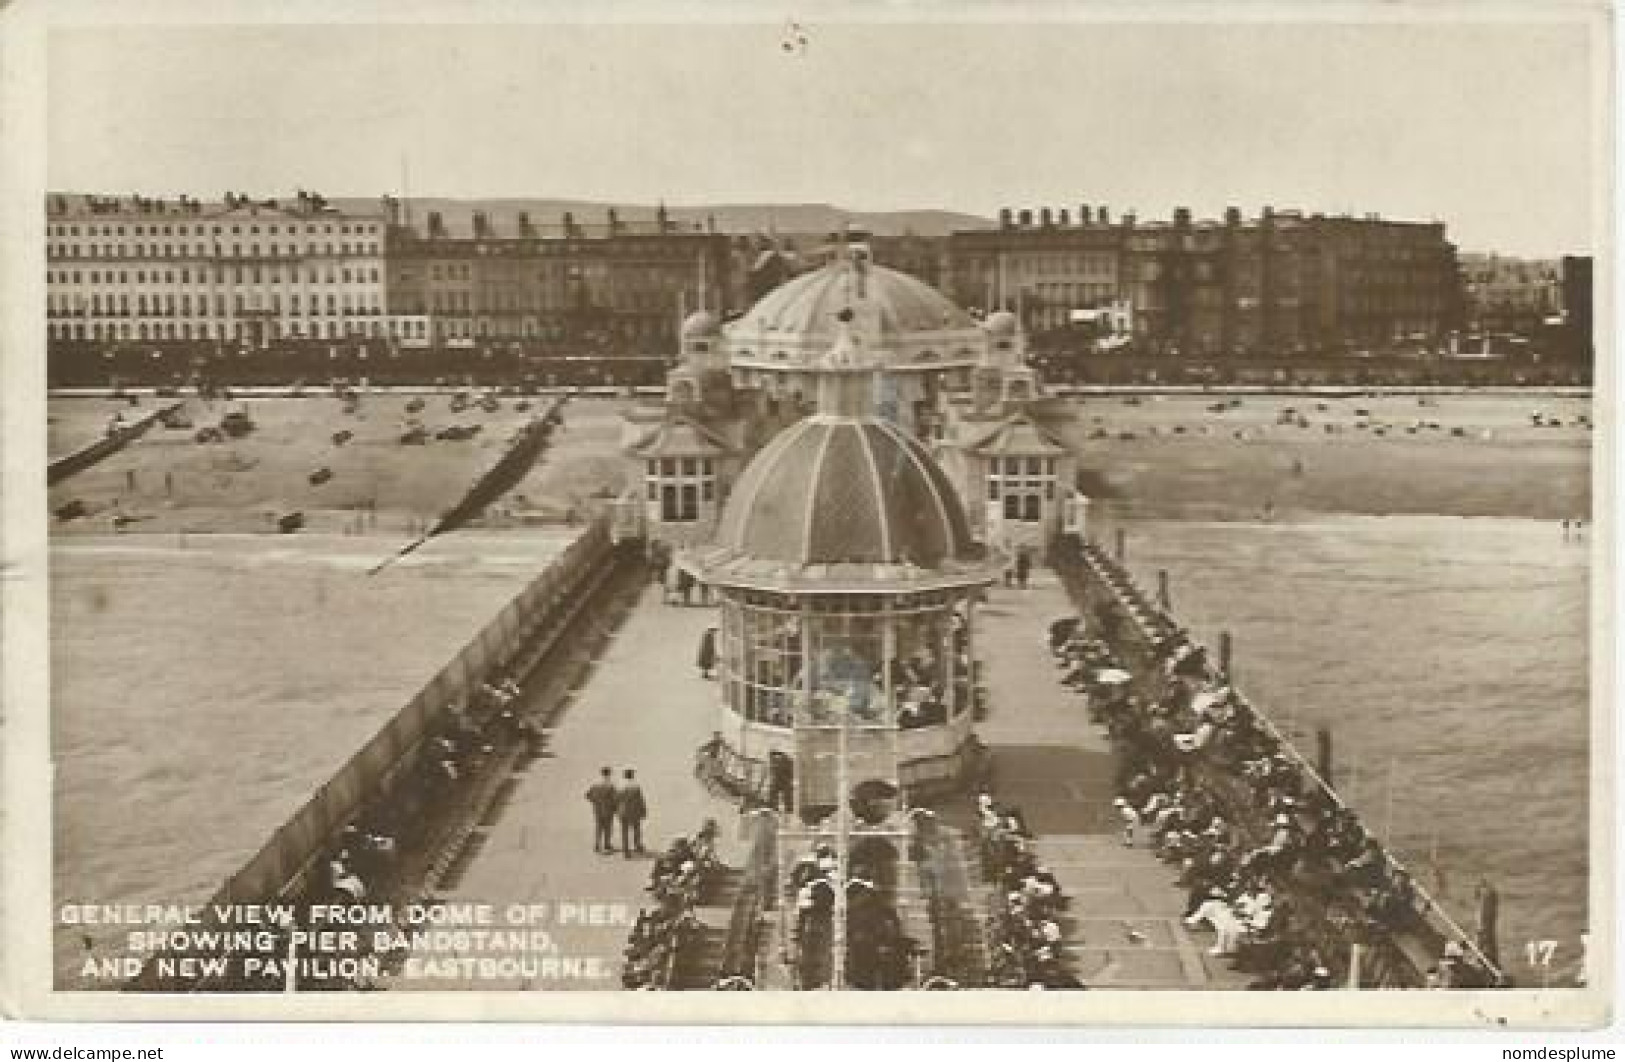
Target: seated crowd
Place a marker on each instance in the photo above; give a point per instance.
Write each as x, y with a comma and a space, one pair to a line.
1026, 946
878, 954
677, 880
1270, 858
362, 865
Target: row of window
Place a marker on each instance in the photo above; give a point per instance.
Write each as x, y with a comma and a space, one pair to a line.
218, 250
780, 669
659, 277
671, 467
1021, 486
531, 327
345, 228
220, 275
680, 485
188, 330
680, 502
169, 306
1073, 295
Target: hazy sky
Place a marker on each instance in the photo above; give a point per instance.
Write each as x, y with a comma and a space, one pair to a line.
1487, 127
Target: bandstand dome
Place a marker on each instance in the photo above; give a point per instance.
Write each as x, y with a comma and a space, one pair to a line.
836, 496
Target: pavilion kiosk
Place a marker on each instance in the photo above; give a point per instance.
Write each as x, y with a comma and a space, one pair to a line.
846, 575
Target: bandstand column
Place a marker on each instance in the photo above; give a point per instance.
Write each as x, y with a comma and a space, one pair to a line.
893, 719
843, 842
888, 655
970, 651
805, 634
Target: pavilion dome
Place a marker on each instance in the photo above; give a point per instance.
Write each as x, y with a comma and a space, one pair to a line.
811, 305
845, 491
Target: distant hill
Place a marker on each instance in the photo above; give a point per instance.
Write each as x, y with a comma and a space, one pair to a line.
730, 217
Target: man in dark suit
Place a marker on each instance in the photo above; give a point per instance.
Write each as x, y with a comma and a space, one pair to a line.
604, 799
632, 811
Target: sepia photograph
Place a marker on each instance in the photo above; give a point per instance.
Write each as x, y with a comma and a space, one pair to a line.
537, 503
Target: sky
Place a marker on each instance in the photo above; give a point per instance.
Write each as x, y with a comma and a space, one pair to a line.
1486, 126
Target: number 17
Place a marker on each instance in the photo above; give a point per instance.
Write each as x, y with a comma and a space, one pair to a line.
1541, 952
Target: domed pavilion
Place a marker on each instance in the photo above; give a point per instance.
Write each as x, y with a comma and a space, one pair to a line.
846, 575
738, 382
846, 579
793, 470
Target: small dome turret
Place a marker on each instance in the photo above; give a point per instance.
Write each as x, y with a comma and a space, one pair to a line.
701, 323
1000, 323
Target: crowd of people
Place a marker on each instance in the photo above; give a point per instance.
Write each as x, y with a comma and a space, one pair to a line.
930, 670
366, 861
1281, 872
1026, 940
878, 953
469, 734
677, 881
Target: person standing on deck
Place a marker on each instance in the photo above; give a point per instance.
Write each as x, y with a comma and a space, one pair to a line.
706, 658
604, 799
781, 772
632, 811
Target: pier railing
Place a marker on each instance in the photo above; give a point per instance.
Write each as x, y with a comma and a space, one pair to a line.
1401, 960
283, 868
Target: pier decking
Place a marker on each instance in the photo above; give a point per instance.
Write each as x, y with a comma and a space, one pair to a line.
1124, 928
644, 705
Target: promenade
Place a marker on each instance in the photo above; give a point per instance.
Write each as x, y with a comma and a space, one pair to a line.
643, 706
1124, 928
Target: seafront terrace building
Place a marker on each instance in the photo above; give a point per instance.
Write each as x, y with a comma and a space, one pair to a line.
1282, 283
596, 284
241, 271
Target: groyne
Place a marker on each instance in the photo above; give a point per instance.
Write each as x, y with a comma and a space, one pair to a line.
107, 446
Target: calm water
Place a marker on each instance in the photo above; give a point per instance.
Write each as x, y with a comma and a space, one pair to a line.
1449, 657
201, 691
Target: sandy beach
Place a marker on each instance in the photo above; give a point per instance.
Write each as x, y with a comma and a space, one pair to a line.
1282, 456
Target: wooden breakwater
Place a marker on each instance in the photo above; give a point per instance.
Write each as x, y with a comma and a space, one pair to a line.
1392, 953
107, 446
523, 450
